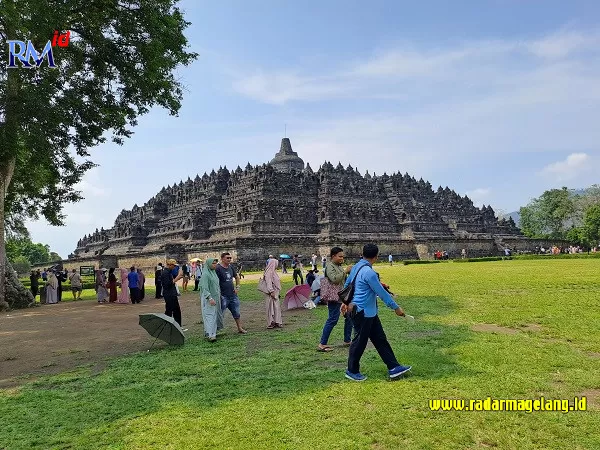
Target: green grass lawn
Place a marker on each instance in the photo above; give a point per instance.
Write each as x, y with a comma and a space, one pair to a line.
273, 390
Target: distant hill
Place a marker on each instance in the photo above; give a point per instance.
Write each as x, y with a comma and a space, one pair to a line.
515, 216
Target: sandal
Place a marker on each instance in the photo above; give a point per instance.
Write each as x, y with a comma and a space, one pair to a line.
324, 349
270, 327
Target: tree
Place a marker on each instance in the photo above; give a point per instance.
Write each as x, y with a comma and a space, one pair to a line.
35, 253
591, 224
120, 62
54, 257
21, 265
577, 235
550, 215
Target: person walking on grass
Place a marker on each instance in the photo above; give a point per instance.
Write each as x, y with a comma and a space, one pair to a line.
336, 275
186, 276
367, 324
297, 266
210, 300
229, 298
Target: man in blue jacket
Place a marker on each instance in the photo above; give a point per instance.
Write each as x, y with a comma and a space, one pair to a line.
364, 317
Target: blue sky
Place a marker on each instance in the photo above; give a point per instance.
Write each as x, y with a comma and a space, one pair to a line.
496, 99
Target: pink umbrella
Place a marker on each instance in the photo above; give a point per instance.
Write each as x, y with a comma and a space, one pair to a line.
296, 297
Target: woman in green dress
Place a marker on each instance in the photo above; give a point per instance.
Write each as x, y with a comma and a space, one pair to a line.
210, 298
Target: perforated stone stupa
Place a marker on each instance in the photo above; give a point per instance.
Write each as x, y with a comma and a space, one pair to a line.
286, 207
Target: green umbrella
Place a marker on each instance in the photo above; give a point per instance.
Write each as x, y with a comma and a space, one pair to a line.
162, 327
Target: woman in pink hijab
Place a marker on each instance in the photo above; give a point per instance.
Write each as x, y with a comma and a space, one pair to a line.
124, 294
272, 298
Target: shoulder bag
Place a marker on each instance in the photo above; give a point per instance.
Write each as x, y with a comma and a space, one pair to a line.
347, 294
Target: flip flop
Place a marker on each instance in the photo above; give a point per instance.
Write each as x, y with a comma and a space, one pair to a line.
324, 350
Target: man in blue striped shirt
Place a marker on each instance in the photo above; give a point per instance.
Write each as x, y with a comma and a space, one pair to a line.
365, 320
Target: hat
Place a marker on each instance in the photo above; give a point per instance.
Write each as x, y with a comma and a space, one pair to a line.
171, 261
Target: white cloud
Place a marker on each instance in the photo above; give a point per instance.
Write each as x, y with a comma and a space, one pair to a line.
282, 87
569, 169
468, 67
92, 186
563, 43
480, 196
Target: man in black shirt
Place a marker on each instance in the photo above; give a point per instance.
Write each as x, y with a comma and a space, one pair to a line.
158, 281
169, 292
229, 290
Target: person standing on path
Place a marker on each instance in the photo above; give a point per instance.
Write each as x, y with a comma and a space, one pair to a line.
157, 280
172, 307
133, 279
198, 275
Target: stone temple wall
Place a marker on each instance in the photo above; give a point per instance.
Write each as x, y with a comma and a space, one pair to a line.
286, 207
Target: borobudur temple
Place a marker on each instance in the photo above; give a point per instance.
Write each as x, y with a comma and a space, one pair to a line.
286, 207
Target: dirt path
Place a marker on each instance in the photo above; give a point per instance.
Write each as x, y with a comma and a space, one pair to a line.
51, 339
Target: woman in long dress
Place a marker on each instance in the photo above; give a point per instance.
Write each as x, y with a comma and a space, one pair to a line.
272, 303
124, 294
112, 285
210, 299
141, 281
52, 288
101, 292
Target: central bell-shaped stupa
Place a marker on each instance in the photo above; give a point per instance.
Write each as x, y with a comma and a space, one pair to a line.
287, 159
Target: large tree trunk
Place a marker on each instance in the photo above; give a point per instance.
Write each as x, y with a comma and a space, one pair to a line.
6, 174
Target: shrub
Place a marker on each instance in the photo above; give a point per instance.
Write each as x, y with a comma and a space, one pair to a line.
559, 256
483, 259
419, 261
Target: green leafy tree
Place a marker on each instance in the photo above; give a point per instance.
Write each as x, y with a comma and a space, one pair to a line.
54, 257
591, 224
21, 265
120, 62
35, 253
577, 235
550, 215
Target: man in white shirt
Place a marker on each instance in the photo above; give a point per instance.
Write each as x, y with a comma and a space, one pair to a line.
197, 274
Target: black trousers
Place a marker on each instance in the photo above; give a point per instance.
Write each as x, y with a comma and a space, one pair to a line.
158, 290
172, 308
366, 328
135, 294
298, 273
196, 283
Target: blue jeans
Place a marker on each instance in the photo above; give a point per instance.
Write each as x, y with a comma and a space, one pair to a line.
232, 304
332, 320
